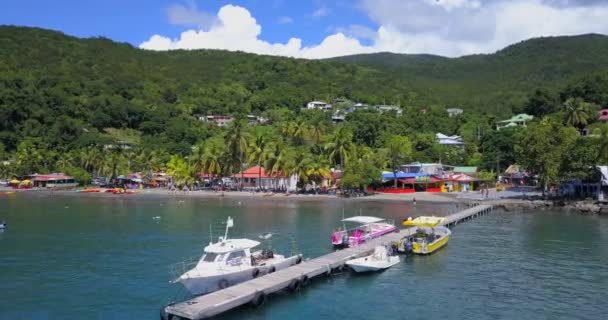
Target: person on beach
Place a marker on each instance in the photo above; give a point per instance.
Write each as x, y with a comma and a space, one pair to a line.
414, 201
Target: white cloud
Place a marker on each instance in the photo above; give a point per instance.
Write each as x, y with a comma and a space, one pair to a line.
457, 27
189, 16
445, 27
285, 20
321, 12
236, 30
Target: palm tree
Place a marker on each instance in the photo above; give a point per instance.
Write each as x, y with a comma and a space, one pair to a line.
113, 164
340, 146
310, 168
210, 157
316, 132
287, 128
577, 113
198, 158
300, 132
258, 152
236, 140
91, 159
280, 160
180, 170
66, 160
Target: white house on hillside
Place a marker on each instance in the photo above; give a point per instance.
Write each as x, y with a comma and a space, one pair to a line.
318, 105
454, 111
442, 139
385, 108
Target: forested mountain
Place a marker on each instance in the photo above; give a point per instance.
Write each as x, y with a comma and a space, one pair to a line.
505, 78
65, 102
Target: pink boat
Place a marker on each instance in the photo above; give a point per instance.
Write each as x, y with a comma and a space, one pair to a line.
368, 228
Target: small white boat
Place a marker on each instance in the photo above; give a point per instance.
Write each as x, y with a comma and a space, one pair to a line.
2, 225
382, 258
232, 261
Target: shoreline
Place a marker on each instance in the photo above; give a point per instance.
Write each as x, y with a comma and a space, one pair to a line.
583, 207
425, 198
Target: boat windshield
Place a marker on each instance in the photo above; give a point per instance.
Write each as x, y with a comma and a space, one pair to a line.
211, 257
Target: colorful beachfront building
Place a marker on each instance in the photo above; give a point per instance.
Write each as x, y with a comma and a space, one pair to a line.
256, 177
53, 181
430, 177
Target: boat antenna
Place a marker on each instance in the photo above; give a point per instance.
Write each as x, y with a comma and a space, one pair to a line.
343, 223
210, 233
229, 224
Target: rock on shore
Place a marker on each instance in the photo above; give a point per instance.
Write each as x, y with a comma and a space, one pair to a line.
583, 207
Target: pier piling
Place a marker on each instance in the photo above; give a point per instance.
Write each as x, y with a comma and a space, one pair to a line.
294, 278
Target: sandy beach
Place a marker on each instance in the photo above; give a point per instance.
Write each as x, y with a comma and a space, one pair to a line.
419, 197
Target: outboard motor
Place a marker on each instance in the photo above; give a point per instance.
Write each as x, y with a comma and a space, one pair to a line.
407, 246
267, 254
393, 249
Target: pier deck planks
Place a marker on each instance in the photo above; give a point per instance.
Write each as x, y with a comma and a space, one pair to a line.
240, 294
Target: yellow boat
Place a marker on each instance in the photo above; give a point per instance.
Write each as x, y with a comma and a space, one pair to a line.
423, 221
428, 240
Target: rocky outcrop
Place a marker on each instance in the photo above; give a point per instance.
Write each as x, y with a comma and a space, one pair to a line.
583, 207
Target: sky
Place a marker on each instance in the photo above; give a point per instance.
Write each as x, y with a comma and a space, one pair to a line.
315, 28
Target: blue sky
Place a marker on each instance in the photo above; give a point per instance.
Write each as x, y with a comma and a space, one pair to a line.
317, 28
135, 21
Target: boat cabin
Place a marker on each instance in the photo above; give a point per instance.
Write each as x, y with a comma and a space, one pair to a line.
232, 251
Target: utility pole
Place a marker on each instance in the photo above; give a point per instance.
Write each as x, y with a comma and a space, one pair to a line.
497, 166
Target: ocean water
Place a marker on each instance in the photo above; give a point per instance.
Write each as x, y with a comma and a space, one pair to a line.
110, 257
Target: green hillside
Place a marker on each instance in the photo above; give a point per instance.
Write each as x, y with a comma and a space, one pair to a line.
65, 102
505, 78
49, 80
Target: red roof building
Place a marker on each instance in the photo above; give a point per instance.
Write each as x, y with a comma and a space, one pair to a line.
256, 172
250, 178
55, 181
603, 115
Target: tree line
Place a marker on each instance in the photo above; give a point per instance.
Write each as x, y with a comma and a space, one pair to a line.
66, 103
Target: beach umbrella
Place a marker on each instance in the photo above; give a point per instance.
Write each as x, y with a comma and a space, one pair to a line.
15, 181
27, 181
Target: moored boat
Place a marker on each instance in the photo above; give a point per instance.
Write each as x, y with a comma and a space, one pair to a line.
367, 228
423, 221
232, 261
382, 258
428, 240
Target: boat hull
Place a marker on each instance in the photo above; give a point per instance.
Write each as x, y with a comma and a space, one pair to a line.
355, 241
361, 265
209, 283
429, 248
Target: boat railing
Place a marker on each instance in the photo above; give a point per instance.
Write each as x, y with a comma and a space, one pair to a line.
179, 268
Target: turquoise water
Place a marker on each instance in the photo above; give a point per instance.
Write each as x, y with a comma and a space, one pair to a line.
106, 257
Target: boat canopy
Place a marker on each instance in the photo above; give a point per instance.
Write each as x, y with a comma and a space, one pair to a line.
363, 219
231, 245
423, 221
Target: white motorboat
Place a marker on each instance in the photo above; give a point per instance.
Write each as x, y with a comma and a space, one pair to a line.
232, 261
2, 225
382, 258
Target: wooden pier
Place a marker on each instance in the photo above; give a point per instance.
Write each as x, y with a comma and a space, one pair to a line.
256, 291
